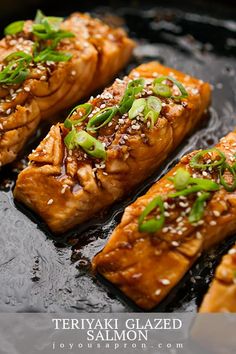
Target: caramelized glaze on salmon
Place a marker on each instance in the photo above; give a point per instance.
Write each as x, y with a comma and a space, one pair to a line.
147, 265
98, 53
221, 297
67, 187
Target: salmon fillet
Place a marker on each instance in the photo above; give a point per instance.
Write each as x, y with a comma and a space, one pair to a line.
98, 52
67, 187
221, 297
146, 264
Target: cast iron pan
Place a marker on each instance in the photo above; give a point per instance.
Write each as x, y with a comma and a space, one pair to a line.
41, 273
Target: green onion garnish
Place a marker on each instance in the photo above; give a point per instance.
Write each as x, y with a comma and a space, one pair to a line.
152, 109
133, 88
205, 184
49, 54
137, 107
228, 187
101, 118
196, 158
14, 28
153, 224
185, 192
137, 85
162, 90
197, 210
48, 27
88, 143
159, 80
86, 109
181, 179
16, 71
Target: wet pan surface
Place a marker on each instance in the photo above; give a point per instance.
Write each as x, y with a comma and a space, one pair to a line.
40, 273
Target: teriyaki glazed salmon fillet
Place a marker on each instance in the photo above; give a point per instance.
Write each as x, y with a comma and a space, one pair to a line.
109, 145
221, 296
48, 64
163, 232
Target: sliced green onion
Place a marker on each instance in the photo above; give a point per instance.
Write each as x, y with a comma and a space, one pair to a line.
181, 179
48, 27
185, 192
16, 71
162, 90
137, 107
184, 93
152, 109
133, 88
196, 158
88, 143
154, 224
197, 210
205, 184
14, 28
86, 109
136, 85
101, 118
17, 56
127, 101
228, 187
39, 16
51, 55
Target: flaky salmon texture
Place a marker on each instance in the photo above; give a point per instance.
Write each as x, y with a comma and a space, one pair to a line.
67, 186
96, 53
163, 232
221, 297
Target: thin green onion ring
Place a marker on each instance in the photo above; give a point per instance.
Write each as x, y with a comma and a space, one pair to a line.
162, 90
88, 143
133, 88
184, 93
137, 107
181, 179
87, 107
194, 162
197, 210
154, 224
152, 109
101, 118
227, 187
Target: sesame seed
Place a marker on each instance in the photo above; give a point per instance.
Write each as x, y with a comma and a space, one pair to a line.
50, 201
157, 292
232, 251
216, 213
212, 222
175, 243
165, 281
198, 235
73, 72
8, 111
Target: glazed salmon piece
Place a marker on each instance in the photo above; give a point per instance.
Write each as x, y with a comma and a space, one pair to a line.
67, 187
221, 296
145, 264
98, 52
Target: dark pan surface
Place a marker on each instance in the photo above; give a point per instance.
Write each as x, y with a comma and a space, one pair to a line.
39, 273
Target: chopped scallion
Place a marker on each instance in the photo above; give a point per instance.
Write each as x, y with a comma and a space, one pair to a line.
101, 118
88, 143
85, 108
228, 187
14, 28
197, 210
195, 161
156, 223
